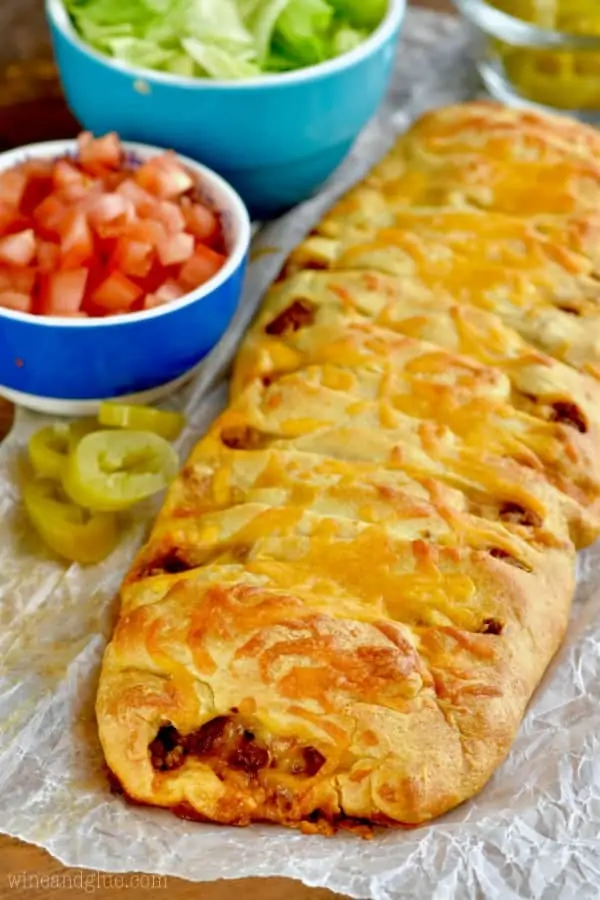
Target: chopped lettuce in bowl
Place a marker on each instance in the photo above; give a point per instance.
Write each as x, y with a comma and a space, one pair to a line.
225, 39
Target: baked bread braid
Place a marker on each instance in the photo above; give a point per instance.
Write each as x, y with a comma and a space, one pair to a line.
366, 565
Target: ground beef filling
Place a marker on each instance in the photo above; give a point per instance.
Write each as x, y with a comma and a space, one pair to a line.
243, 437
515, 514
492, 626
313, 760
225, 742
564, 412
176, 564
569, 414
505, 557
172, 563
299, 315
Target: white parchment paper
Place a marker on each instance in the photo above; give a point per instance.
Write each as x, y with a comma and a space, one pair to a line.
534, 832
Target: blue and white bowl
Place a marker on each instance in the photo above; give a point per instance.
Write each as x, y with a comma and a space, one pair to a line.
68, 366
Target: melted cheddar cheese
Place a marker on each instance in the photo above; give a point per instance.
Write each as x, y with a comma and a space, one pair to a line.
367, 562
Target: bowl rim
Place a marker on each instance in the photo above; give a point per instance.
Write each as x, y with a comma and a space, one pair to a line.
519, 32
59, 17
233, 205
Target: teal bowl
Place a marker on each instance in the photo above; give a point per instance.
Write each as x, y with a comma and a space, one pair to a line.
276, 138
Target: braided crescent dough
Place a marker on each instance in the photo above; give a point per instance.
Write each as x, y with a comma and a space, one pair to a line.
365, 567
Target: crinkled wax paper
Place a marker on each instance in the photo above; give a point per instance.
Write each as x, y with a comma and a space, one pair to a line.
533, 833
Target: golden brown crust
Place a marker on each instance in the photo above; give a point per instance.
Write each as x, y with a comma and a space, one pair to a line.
493, 262
366, 565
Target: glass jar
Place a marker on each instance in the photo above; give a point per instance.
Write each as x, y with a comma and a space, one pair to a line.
543, 53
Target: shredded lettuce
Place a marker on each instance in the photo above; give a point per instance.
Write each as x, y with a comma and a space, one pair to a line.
261, 17
346, 39
139, 52
302, 31
225, 39
361, 13
216, 62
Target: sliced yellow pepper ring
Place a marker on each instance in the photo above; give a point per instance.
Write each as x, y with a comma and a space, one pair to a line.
112, 470
49, 448
79, 429
72, 532
142, 418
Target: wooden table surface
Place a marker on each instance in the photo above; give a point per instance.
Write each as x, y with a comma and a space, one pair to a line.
32, 109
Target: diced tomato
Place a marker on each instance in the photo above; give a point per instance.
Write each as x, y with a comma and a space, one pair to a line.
7, 215
200, 268
12, 221
110, 214
20, 280
66, 175
147, 231
176, 249
39, 184
97, 275
164, 177
143, 202
98, 154
84, 139
24, 280
169, 215
200, 221
169, 292
17, 301
38, 168
77, 193
117, 293
77, 243
133, 258
48, 256
152, 301
12, 187
49, 215
19, 224
74, 185
62, 292
156, 277
113, 180
105, 250
18, 249
92, 236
